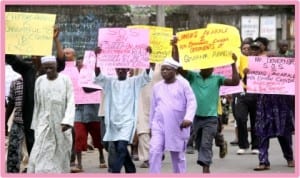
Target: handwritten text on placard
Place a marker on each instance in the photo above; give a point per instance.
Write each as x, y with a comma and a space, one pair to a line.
29, 33
159, 41
208, 47
87, 72
124, 47
271, 75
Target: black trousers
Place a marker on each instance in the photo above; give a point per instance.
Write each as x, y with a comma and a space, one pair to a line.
246, 105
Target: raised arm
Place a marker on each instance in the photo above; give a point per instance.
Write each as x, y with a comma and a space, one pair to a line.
235, 76
97, 51
59, 49
175, 56
60, 58
152, 65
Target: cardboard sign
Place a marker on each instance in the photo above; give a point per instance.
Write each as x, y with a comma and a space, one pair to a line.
208, 47
271, 75
227, 72
29, 33
123, 47
159, 41
87, 72
80, 96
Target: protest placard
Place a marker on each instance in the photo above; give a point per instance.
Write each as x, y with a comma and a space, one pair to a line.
271, 75
208, 47
87, 72
226, 71
29, 33
79, 95
123, 47
159, 41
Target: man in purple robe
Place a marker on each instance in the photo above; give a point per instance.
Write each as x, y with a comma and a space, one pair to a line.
173, 107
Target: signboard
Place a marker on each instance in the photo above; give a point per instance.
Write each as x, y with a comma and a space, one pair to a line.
268, 27
29, 33
80, 96
159, 41
123, 47
208, 47
250, 27
271, 75
226, 71
87, 72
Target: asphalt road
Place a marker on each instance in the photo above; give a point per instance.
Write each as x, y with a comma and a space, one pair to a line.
232, 163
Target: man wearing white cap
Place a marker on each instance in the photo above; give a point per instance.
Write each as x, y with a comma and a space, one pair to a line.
29, 73
121, 104
173, 107
53, 116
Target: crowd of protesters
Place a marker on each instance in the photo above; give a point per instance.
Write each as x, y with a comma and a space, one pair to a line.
158, 109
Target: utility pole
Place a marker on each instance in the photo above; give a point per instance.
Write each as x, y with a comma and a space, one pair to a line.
160, 15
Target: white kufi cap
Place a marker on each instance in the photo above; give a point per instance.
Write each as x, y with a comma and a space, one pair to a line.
171, 62
48, 59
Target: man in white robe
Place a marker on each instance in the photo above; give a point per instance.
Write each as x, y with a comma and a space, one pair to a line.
53, 116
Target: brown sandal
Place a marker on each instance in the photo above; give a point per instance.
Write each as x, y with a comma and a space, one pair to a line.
76, 170
291, 164
102, 165
261, 167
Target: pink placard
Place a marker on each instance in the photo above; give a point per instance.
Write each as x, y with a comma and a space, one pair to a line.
123, 47
271, 75
227, 72
80, 96
87, 72
108, 71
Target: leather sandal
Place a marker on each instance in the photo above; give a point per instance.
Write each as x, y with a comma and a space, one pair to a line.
76, 170
262, 167
102, 165
291, 163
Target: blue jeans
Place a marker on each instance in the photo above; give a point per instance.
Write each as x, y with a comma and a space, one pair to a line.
122, 157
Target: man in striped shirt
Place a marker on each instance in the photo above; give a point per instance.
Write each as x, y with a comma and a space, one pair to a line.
16, 136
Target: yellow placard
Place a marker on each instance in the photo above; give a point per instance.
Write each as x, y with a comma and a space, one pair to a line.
208, 47
29, 33
159, 42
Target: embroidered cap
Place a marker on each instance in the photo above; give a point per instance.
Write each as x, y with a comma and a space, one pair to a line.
48, 59
171, 62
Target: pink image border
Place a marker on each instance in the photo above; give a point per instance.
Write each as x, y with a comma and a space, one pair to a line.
148, 2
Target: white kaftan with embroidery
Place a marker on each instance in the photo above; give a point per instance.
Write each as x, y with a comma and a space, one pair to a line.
54, 105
